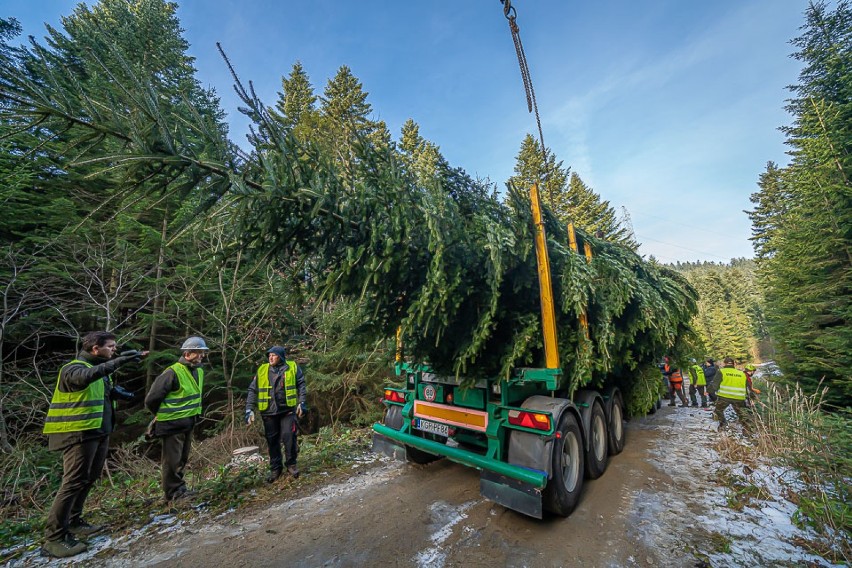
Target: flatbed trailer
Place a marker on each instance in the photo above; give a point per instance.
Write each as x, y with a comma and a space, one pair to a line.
533, 442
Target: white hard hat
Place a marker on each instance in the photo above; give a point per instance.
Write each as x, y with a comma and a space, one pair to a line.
194, 344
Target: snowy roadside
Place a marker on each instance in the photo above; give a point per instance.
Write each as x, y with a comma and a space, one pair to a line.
195, 524
700, 517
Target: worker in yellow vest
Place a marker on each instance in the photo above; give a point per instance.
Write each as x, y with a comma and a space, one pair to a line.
79, 421
279, 392
175, 401
697, 384
731, 388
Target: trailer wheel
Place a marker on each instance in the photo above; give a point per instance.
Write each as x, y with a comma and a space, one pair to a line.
563, 490
393, 417
419, 456
616, 428
598, 452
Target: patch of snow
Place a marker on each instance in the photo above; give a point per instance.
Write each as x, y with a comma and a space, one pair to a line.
444, 517
760, 534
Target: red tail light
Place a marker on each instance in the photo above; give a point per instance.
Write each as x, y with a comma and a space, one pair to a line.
534, 420
394, 396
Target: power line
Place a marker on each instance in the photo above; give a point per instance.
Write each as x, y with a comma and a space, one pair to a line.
681, 247
668, 220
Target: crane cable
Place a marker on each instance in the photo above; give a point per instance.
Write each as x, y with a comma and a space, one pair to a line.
511, 15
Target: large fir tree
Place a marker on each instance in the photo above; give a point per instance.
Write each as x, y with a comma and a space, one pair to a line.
803, 213
568, 196
296, 105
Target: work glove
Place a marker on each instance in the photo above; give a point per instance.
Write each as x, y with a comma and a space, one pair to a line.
121, 393
301, 410
133, 356
249, 417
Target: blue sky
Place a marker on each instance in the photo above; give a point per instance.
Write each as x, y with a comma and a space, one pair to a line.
669, 108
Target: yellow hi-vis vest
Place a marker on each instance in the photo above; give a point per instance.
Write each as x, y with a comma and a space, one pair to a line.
733, 384
186, 401
264, 387
697, 374
76, 411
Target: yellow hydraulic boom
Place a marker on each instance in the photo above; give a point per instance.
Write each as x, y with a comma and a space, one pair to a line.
545, 287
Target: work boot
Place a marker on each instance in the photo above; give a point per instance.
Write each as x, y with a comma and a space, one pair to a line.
82, 528
65, 548
293, 470
181, 494
273, 475
672, 404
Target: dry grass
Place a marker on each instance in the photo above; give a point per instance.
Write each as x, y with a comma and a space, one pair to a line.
129, 493
792, 429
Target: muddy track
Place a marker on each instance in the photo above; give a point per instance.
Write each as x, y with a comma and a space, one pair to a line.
659, 504
405, 515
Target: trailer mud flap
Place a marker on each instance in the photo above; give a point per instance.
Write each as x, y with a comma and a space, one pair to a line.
383, 444
510, 493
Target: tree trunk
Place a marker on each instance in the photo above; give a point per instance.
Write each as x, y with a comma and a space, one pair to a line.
158, 301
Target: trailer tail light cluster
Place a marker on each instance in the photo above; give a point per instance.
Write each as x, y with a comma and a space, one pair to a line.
534, 420
394, 396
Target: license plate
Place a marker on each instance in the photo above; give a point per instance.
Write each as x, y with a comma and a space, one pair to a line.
432, 427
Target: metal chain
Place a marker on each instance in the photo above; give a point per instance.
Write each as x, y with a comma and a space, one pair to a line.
512, 15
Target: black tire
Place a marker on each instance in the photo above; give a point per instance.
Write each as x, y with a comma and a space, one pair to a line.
566, 482
616, 428
597, 453
419, 456
393, 417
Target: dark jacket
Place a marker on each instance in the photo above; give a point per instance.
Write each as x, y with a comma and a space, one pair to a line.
710, 374
78, 377
164, 384
278, 404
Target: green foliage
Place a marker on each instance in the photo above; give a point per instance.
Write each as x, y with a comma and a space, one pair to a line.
795, 431
28, 479
130, 494
643, 390
296, 105
803, 213
567, 195
445, 259
346, 374
730, 319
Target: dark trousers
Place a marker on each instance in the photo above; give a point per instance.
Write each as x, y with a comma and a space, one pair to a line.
743, 412
700, 389
81, 467
175, 455
281, 429
676, 388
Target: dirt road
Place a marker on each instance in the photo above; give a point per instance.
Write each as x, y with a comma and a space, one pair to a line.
393, 514
661, 503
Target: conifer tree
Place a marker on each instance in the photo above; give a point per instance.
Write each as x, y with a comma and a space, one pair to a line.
803, 215
296, 105
346, 123
593, 214
569, 197
531, 166
422, 158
